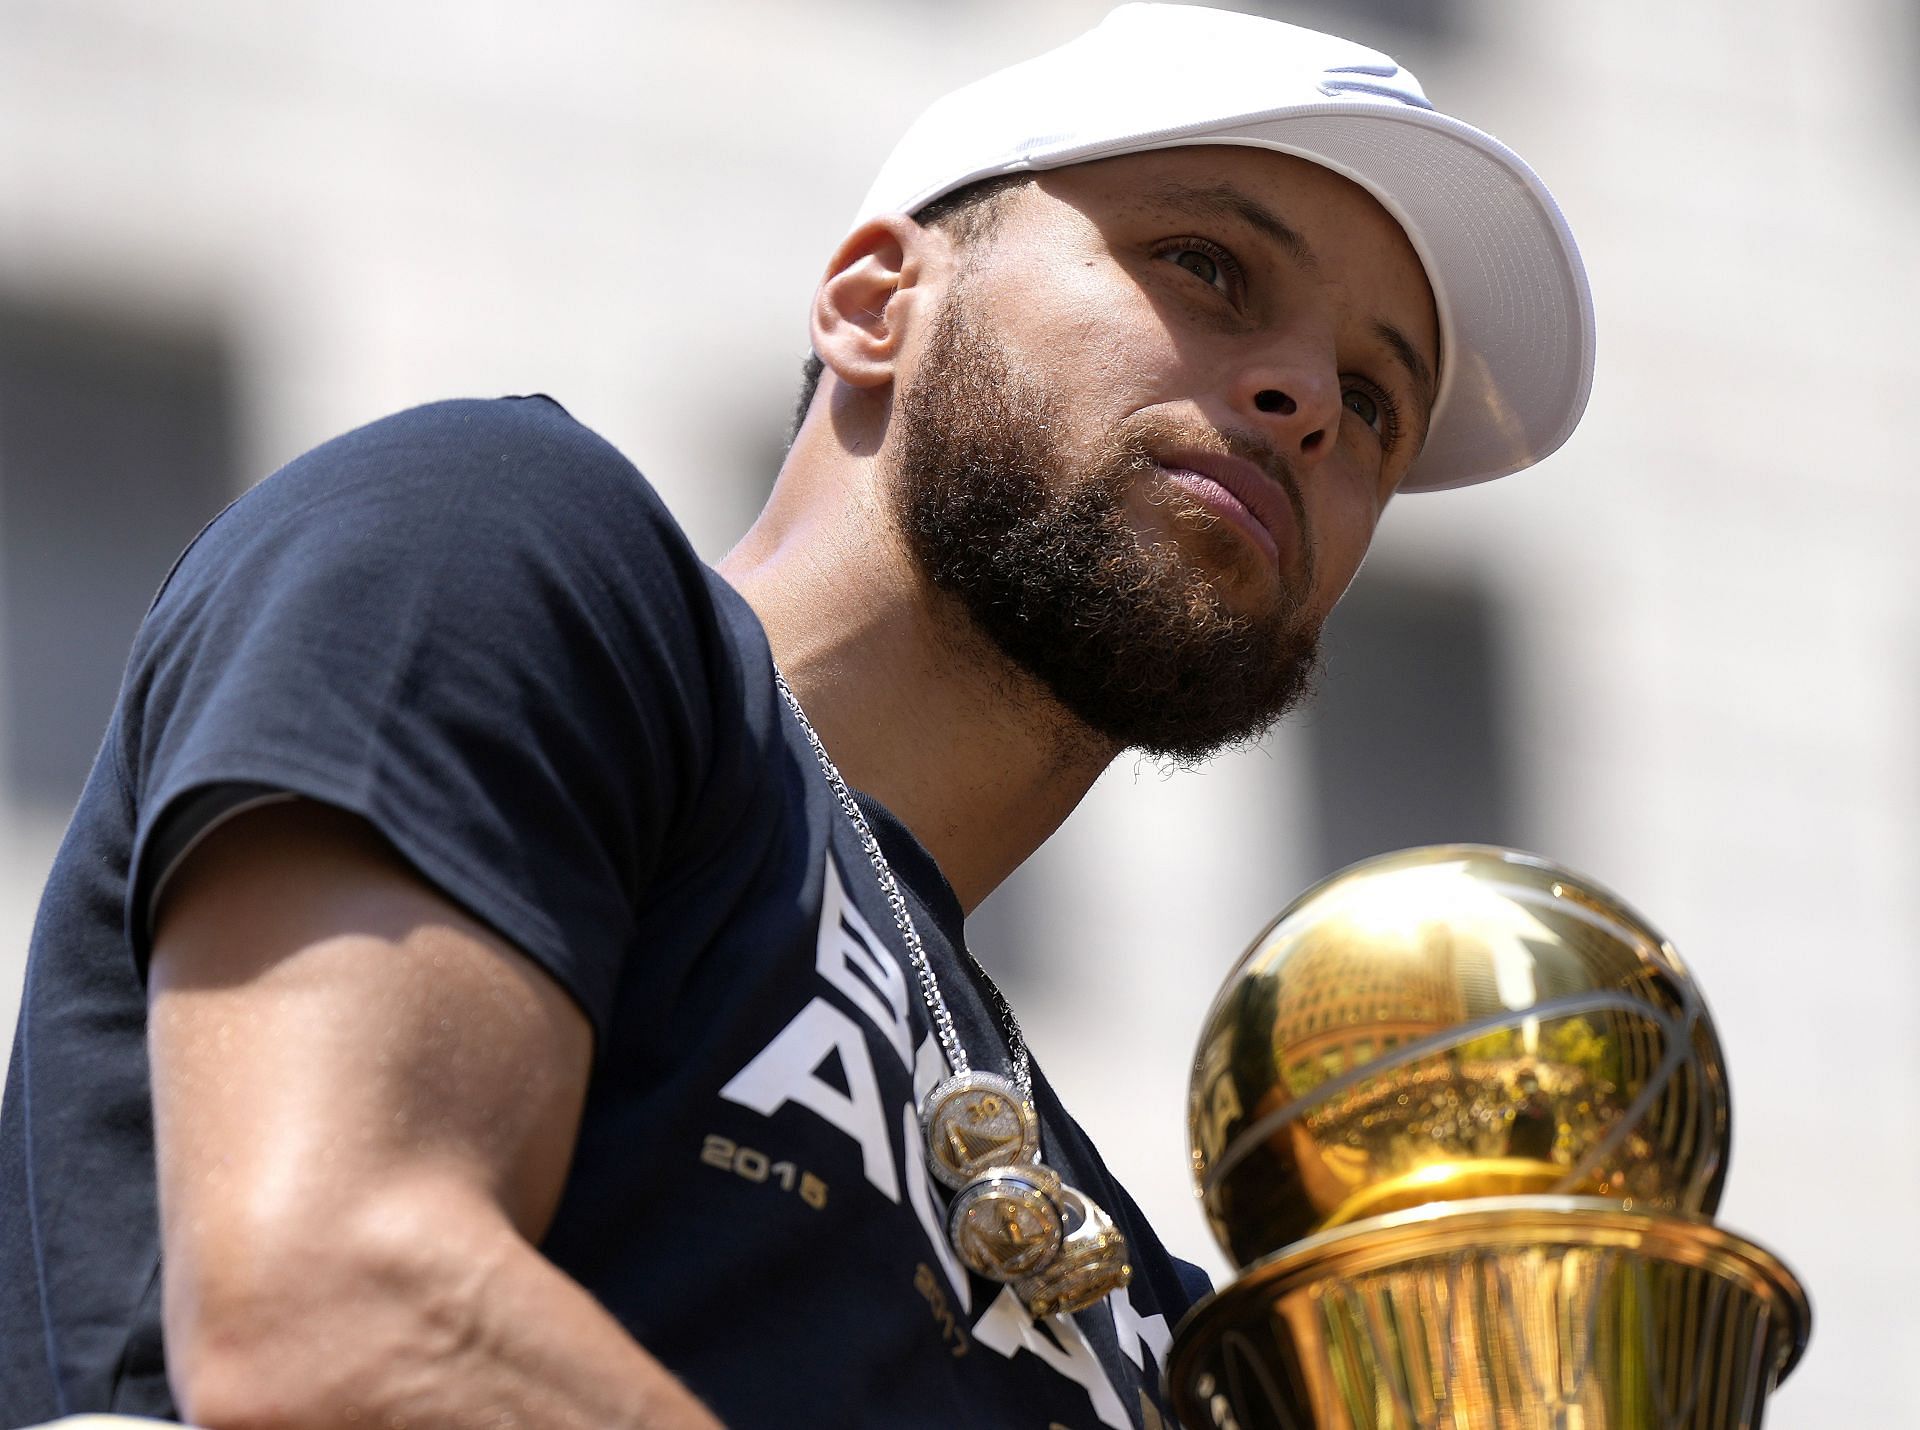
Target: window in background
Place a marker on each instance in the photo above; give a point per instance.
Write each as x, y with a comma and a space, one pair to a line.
1405, 742
116, 446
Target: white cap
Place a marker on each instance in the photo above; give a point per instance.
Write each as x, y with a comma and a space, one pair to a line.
1516, 317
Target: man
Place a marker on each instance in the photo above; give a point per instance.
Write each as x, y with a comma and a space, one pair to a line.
471, 977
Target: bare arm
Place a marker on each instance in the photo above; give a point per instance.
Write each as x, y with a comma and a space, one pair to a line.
365, 1104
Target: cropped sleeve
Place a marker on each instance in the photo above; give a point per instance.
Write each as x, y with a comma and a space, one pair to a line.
472, 624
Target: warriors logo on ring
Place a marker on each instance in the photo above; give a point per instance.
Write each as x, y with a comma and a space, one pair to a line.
1008, 1221
1093, 1261
976, 1120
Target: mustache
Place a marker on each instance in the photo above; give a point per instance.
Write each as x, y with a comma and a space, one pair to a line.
1149, 432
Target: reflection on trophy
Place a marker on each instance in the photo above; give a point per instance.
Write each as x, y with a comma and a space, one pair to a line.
1460, 1119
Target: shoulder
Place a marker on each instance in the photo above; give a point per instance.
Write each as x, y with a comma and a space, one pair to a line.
478, 436
472, 624
452, 547
466, 496
465, 460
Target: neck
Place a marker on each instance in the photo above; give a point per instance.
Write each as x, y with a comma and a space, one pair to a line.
916, 708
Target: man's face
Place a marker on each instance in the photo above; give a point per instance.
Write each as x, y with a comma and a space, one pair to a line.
1148, 437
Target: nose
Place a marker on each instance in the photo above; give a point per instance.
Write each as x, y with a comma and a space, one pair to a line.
1295, 402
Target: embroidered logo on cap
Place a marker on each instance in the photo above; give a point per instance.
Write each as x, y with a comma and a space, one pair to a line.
1406, 91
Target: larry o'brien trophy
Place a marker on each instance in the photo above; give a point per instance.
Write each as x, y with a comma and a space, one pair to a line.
1460, 1119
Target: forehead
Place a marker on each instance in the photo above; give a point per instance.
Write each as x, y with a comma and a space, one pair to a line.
1135, 179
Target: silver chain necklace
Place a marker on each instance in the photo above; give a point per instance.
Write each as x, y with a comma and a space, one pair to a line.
1013, 1218
950, 1043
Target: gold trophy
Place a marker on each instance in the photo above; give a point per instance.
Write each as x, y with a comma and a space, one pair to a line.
1460, 1119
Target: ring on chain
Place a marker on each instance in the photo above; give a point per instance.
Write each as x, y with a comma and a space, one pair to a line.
1092, 1262
975, 1120
1009, 1221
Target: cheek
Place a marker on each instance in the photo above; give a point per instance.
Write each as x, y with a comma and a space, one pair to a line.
1342, 536
1098, 334
1137, 365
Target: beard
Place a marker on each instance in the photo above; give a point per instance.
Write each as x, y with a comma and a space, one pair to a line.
1130, 638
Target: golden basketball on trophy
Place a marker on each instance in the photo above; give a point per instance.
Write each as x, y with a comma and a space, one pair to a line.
1460, 1119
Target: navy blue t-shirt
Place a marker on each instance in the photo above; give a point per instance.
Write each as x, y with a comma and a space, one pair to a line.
475, 626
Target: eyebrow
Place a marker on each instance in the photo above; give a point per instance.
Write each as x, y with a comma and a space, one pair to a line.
1230, 202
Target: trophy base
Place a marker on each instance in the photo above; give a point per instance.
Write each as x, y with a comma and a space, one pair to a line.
1503, 1313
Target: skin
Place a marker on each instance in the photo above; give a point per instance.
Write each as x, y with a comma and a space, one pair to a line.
365, 1102
364, 1105
1087, 282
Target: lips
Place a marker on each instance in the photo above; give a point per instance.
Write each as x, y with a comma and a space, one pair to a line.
1239, 493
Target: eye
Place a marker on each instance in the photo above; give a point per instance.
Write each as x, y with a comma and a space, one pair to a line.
1200, 265
1376, 409
1208, 262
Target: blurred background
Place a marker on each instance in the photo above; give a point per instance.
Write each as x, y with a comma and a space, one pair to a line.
1682, 656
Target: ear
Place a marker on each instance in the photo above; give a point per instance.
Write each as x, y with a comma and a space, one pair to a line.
863, 308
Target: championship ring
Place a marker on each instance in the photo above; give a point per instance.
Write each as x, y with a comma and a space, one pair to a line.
976, 1120
1008, 1222
1091, 1264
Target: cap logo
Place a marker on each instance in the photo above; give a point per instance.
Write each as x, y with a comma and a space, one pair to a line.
1335, 84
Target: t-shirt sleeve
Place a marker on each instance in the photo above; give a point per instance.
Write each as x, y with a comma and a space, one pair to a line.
473, 625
